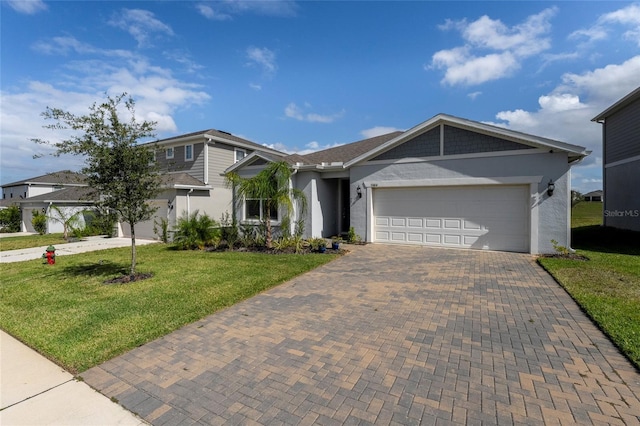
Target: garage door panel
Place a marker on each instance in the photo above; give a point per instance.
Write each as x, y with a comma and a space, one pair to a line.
479, 217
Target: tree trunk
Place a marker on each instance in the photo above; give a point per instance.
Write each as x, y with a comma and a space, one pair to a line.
268, 223
132, 272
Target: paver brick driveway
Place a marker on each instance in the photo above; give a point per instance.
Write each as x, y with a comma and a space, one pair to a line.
387, 335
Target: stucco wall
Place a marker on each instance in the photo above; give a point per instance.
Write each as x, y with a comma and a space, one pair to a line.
551, 212
622, 196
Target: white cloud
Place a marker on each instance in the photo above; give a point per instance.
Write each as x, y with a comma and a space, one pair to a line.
75, 86
208, 12
565, 113
378, 130
262, 57
226, 9
508, 47
67, 45
628, 16
560, 102
474, 95
294, 111
28, 7
255, 86
140, 24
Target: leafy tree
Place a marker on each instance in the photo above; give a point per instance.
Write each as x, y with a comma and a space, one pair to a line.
120, 170
39, 221
576, 197
271, 186
11, 219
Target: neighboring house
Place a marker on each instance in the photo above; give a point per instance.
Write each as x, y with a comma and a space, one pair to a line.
41, 191
447, 182
193, 165
621, 162
67, 200
42, 185
593, 196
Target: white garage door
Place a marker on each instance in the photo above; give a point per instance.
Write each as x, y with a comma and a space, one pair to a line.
478, 217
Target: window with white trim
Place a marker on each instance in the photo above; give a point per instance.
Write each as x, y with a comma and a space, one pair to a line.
254, 209
240, 154
169, 153
188, 153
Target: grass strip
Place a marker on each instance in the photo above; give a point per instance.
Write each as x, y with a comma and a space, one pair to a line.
29, 241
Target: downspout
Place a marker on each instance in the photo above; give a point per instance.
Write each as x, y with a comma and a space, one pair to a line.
189, 203
295, 205
206, 162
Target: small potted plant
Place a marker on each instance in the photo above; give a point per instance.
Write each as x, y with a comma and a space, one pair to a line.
335, 243
318, 244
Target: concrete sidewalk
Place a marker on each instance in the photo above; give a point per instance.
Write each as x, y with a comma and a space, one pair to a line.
35, 391
87, 244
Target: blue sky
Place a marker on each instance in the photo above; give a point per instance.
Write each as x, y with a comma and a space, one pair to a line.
303, 76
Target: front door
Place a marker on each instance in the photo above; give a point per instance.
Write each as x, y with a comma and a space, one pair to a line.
345, 206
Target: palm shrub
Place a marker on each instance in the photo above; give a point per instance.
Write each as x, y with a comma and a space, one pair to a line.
272, 187
39, 221
196, 231
72, 221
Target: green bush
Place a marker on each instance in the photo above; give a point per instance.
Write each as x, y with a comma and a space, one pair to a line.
196, 231
11, 219
100, 222
39, 221
161, 229
229, 231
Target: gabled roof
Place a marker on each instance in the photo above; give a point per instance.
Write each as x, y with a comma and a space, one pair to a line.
213, 135
63, 177
347, 152
74, 194
345, 156
182, 180
575, 152
256, 155
631, 97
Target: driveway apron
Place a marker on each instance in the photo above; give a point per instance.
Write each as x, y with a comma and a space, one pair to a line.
386, 335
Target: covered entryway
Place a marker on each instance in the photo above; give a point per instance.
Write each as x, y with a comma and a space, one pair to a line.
491, 217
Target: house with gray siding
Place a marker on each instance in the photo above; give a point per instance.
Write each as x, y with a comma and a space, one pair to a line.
447, 182
192, 166
621, 162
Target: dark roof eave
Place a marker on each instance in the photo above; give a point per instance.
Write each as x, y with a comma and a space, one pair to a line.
626, 100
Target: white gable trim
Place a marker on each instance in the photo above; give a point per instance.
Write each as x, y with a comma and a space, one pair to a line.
575, 152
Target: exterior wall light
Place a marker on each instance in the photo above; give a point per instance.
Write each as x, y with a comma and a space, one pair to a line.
359, 191
550, 188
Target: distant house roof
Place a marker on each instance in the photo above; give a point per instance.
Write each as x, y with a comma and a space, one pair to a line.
214, 135
631, 97
63, 177
75, 194
596, 193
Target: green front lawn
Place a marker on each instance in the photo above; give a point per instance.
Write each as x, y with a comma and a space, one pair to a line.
28, 241
607, 286
67, 313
